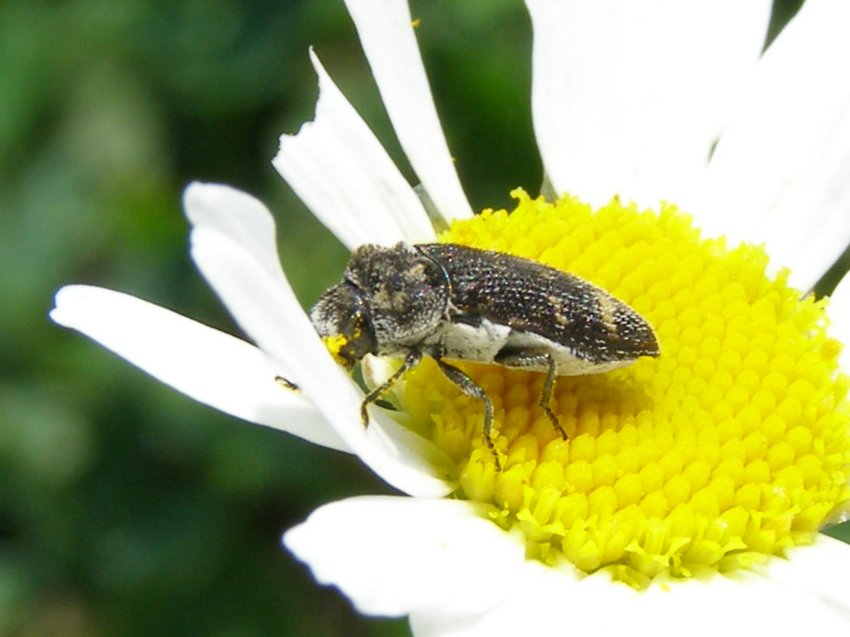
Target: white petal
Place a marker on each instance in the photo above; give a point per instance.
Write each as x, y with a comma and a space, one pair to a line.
393, 555
788, 599
343, 174
839, 314
538, 600
819, 571
781, 170
387, 36
212, 367
237, 216
628, 97
258, 296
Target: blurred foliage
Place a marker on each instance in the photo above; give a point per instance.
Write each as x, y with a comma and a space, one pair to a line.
126, 509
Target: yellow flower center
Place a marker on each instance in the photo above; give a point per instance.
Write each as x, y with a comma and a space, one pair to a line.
731, 446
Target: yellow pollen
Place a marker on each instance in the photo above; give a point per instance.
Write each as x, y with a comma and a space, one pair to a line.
334, 344
730, 447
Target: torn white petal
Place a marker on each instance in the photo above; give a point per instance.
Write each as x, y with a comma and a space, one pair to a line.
627, 98
341, 172
212, 367
393, 556
388, 39
264, 305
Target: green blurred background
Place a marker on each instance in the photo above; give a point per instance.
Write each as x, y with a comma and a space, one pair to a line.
125, 508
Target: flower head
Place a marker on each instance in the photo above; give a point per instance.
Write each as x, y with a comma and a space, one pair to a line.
731, 446
698, 477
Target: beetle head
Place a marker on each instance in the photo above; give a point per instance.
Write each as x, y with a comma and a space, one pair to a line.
341, 317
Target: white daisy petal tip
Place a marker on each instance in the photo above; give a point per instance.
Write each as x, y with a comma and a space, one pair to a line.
201, 199
421, 555
58, 313
196, 191
236, 214
205, 364
388, 38
71, 305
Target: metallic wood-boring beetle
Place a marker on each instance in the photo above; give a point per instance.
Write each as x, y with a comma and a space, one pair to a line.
449, 301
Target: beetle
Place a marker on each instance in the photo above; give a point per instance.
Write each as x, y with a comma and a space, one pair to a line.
449, 301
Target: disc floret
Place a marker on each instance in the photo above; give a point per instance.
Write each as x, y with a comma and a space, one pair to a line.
732, 446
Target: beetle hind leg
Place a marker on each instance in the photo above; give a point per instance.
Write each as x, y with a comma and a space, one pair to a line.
473, 390
536, 360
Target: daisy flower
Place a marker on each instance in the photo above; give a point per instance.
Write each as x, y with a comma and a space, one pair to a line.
697, 178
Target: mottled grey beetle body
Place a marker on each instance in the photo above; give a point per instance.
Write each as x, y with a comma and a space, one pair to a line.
456, 302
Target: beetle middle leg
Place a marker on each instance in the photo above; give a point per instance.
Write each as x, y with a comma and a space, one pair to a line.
473, 390
536, 360
410, 361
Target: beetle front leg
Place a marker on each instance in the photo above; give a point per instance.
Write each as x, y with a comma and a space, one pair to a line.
410, 361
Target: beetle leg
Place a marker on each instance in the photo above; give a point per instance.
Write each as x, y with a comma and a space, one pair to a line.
286, 383
473, 390
410, 361
536, 360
